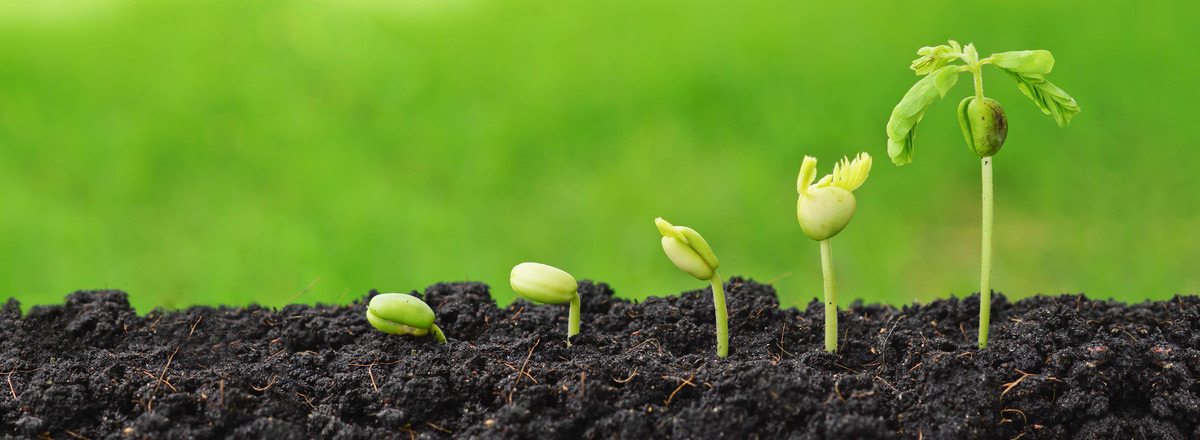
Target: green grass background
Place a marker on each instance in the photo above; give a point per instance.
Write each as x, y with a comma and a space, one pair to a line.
228, 151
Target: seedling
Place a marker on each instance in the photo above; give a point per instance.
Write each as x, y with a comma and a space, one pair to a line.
982, 119
824, 209
690, 253
403, 314
550, 285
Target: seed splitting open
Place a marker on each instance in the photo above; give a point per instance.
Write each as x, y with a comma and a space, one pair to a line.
403, 314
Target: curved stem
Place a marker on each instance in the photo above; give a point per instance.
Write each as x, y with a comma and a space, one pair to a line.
573, 319
830, 296
718, 289
985, 270
437, 333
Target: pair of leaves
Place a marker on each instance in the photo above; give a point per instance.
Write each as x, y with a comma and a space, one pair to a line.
1027, 67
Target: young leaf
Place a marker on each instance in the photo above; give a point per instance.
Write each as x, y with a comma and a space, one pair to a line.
911, 108
901, 151
970, 55
1025, 61
933, 58
1048, 97
944, 80
849, 175
808, 172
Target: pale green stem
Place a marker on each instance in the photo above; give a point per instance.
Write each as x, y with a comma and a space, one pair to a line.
573, 319
985, 270
977, 73
718, 289
830, 296
437, 333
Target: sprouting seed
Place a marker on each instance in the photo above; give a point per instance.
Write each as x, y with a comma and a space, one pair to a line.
690, 253
403, 314
550, 285
824, 209
982, 120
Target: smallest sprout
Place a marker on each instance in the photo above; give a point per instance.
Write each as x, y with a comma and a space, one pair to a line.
538, 282
403, 314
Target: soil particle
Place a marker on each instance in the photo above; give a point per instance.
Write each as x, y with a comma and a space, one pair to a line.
1056, 367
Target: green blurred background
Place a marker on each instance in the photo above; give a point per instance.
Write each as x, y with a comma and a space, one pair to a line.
228, 151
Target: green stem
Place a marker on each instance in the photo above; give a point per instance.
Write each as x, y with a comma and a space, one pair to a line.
437, 333
985, 270
977, 72
573, 319
830, 297
718, 289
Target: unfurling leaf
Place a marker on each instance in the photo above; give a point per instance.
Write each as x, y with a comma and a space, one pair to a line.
808, 172
1025, 61
911, 108
901, 151
970, 55
933, 58
850, 174
1048, 97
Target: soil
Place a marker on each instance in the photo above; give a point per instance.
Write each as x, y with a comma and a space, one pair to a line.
1056, 367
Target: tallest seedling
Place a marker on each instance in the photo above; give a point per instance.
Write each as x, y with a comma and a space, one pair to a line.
982, 120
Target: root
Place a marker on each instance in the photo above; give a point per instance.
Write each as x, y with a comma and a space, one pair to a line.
523, 365
687, 382
627, 379
164, 371
272, 382
1009, 386
194, 326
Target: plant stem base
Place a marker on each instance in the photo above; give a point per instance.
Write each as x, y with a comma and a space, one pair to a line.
830, 297
985, 269
722, 317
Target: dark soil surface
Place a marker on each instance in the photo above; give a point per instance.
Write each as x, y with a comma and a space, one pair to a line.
1057, 367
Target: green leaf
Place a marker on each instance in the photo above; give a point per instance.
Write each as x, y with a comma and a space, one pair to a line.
933, 58
1048, 97
925, 65
970, 55
944, 79
901, 151
911, 108
808, 172
1025, 61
